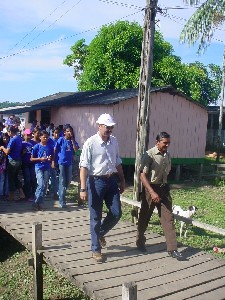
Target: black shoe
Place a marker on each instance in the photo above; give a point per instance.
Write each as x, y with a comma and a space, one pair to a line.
176, 254
141, 247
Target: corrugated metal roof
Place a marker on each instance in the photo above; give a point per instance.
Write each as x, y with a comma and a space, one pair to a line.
104, 97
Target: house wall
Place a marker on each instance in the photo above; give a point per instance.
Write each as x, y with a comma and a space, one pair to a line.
81, 118
183, 119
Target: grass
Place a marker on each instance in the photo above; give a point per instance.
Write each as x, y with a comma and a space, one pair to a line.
16, 278
210, 202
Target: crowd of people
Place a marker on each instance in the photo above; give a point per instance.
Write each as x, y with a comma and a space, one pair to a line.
38, 154
47, 151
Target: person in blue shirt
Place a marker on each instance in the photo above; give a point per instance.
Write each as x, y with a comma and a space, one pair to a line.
36, 136
4, 140
42, 155
28, 169
65, 148
13, 151
54, 186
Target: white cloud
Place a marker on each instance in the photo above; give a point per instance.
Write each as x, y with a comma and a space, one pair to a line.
23, 20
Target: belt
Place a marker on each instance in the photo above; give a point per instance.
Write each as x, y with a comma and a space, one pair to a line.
161, 185
103, 176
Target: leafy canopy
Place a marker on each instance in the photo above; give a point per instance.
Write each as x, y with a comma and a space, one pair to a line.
203, 23
112, 61
6, 104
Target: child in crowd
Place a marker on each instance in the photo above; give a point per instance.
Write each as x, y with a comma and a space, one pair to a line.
13, 150
28, 168
4, 140
64, 150
42, 155
55, 168
36, 136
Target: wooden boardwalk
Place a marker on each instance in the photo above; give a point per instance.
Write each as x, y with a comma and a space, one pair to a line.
66, 242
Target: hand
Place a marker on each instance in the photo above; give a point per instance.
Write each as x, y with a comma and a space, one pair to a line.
83, 196
155, 197
122, 187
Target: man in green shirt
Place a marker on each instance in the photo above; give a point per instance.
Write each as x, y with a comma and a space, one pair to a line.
154, 169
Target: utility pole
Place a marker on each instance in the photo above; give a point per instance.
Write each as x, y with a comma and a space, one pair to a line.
144, 90
220, 139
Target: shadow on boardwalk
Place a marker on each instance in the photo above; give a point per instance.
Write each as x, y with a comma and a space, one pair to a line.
66, 241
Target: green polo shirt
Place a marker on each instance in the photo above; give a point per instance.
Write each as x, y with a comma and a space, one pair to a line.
156, 165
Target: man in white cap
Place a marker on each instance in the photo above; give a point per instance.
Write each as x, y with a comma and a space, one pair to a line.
99, 165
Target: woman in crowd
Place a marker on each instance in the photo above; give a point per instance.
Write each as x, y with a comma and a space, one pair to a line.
13, 150
4, 140
42, 155
28, 168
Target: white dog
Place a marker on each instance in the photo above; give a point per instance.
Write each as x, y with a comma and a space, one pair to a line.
177, 210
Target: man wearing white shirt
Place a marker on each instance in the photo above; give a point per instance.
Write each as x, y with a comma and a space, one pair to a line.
99, 165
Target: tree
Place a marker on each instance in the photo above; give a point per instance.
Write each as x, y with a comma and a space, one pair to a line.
6, 104
112, 61
202, 24
197, 81
200, 27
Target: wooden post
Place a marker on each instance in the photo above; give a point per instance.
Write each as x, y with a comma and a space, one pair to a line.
144, 91
201, 171
177, 173
129, 291
38, 260
220, 141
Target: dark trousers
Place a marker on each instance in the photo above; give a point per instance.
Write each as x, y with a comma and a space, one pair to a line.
30, 181
13, 175
102, 190
165, 214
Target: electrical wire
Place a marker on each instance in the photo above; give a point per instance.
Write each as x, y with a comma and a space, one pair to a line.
121, 4
50, 25
32, 30
42, 30
62, 39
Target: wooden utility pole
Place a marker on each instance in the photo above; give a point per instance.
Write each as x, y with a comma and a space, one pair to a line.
221, 110
144, 90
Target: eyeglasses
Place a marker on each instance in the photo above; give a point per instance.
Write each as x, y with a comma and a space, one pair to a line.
108, 127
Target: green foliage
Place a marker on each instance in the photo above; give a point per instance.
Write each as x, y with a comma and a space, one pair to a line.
77, 59
16, 278
211, 209
202, 24
112, 61
9, 104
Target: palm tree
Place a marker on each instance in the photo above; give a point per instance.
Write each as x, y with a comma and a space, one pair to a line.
201, 27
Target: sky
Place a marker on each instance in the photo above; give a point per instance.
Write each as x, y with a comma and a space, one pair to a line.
36, 37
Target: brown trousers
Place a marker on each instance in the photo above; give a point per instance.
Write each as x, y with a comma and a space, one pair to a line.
165, 214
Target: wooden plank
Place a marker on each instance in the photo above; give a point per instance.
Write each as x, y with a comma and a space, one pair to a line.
167, 273
204, 291
66, 239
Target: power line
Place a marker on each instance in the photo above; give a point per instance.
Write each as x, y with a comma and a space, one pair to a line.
175, 18
121, 4
20, 51
61, 39
51, 24
32, 30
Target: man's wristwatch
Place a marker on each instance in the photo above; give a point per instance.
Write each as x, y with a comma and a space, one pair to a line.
82, 190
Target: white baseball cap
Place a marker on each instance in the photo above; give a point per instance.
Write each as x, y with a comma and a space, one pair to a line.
106, 119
